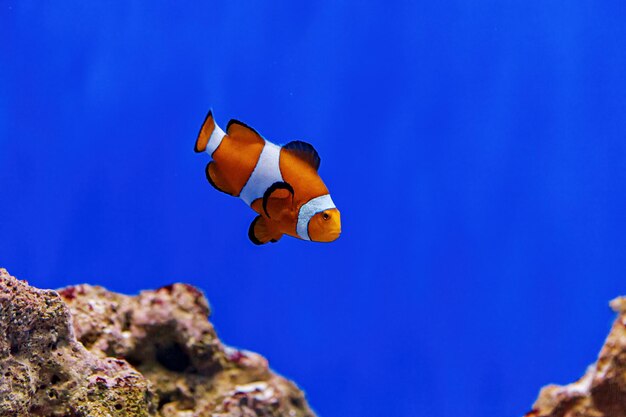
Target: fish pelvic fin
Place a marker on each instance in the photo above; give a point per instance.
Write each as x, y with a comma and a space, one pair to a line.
261, 232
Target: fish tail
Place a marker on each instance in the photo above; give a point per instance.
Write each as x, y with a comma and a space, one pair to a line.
210, 135
208, 126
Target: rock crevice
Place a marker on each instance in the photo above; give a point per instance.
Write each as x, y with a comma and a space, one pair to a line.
86, 351
601, 392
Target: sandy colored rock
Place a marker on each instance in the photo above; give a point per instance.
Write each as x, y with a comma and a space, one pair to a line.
601, 392
86, 351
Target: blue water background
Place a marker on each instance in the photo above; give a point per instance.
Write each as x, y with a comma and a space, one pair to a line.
477, 151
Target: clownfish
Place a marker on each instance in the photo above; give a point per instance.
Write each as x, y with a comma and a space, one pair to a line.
280, 183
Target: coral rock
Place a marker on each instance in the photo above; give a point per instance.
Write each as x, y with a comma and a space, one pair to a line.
601, 392
85, 351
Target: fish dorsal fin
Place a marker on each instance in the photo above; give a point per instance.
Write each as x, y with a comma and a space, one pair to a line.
304, 151
241, 131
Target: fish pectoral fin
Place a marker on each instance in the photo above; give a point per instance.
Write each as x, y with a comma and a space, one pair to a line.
304, 151
277, 198
261, 233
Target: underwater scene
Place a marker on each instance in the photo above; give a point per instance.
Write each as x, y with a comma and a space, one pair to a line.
407, 208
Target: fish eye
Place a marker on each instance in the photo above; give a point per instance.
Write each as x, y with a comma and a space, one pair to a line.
326, 216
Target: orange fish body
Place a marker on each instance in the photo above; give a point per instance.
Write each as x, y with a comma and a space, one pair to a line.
280, 183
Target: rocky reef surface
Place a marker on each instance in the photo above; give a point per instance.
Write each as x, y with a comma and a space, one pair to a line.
601, 392
84, 351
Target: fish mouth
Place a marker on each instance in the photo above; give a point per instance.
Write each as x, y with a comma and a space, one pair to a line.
329, 236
